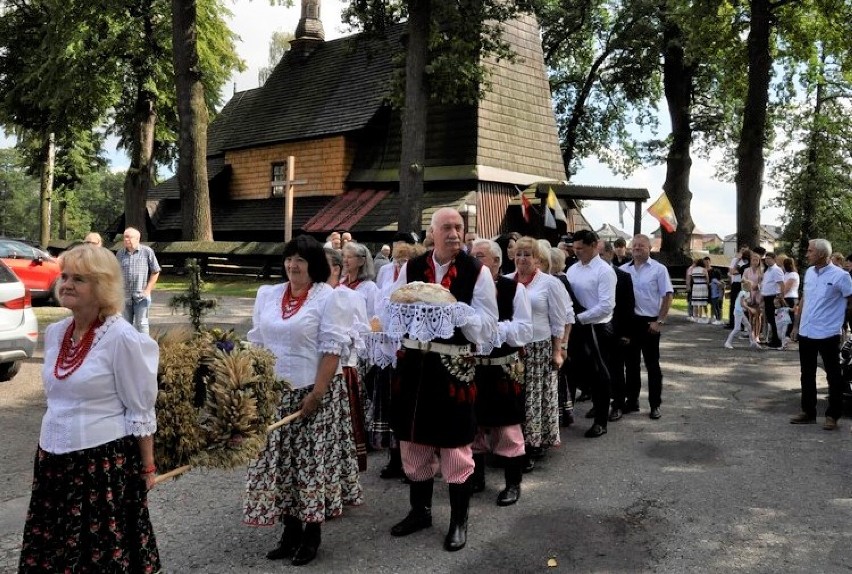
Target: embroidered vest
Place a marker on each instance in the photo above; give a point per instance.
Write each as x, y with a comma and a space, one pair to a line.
506, 289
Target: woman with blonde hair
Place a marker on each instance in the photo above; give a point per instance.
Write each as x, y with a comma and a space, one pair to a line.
95, 459
551, 311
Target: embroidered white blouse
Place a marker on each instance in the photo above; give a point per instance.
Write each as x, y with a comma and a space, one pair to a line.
360, 322
321, 326
110, 396
371, 294
552, 308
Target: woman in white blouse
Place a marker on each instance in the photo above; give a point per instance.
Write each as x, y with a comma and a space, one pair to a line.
358, 274
543, 357
95, 461
308, 470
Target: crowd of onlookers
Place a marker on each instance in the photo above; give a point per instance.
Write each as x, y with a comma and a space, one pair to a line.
763, 290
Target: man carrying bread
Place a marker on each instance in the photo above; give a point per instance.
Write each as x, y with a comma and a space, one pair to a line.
433, 395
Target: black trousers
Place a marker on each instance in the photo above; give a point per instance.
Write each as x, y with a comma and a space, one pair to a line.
735, 290
646, 345
828, 349
590, 364
616, 364
769, 313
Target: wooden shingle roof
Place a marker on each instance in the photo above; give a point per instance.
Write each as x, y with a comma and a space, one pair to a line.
335, 89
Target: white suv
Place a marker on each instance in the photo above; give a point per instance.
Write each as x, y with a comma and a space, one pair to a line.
18, 324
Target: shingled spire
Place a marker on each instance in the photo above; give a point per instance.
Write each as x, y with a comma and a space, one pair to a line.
309, 32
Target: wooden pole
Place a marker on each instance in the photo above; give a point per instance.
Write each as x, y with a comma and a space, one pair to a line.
288, 198
185, 468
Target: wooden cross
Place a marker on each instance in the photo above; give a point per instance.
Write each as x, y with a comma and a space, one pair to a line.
288, 184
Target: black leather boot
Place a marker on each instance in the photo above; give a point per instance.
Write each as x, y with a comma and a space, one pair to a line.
514, 474
311, 538
420, 515
477, 479
291, 539
394, 466
459, 504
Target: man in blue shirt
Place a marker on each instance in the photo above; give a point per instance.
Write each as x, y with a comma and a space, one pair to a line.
140, 270
822, 310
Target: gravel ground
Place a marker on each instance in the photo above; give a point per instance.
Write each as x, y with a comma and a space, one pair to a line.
721, 483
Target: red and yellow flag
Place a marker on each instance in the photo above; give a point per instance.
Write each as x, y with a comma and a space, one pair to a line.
663, 212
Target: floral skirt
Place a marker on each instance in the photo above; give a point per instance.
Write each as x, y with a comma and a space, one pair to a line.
540, 383
89, 513
309, 468
378, 416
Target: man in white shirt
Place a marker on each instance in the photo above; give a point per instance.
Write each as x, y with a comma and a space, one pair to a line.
653, 292
593, 282
826, 298
771, 287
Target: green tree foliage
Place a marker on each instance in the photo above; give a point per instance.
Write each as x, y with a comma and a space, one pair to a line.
605, 76
816, 174
94, 205
69, 67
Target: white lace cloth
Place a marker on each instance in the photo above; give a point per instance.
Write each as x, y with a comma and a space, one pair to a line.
380, 349
424, 322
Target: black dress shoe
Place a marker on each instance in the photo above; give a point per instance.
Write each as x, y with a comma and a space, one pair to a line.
591, 413
630, 408
655, 413
614, 415
509, 495
595, 431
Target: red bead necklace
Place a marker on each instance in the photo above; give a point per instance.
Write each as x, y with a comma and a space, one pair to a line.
290, 305
528, 281
71, 356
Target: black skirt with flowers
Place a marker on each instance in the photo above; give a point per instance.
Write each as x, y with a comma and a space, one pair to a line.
89, 513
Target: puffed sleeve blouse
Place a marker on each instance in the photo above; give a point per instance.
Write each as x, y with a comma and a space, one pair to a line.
110, 396
320, 327
550, 303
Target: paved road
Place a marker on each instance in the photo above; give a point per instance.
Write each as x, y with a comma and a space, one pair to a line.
722, 483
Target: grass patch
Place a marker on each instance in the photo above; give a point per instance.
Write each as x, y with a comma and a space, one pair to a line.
216, 285
679, 303
48, 314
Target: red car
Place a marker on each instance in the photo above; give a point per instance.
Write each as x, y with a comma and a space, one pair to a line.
35, 268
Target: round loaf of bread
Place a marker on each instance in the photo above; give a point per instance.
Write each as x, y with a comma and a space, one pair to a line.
419, 292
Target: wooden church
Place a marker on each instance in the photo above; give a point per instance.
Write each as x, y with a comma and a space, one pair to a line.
326, 105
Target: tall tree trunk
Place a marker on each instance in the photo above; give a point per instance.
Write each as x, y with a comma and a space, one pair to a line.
749, 178
140, 174
808, 227
48, 161
678, 85
414, 118
62, 231
192, 111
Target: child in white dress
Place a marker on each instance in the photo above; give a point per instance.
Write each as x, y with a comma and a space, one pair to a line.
741, 312
783, 320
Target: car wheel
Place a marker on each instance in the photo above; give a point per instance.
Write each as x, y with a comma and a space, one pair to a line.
54, 292
9, 370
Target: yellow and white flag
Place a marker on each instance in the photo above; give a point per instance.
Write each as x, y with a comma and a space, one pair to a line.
663, 212
553, 203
